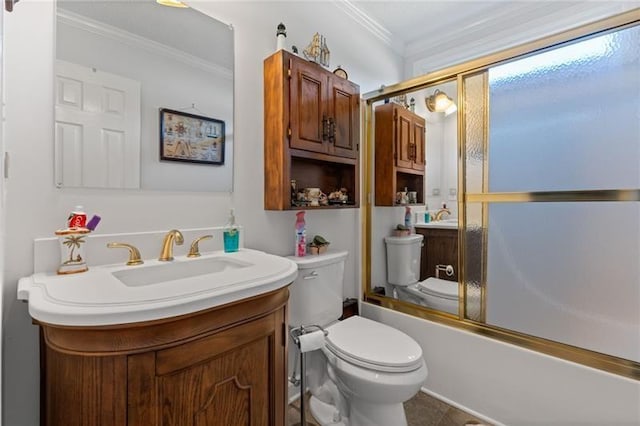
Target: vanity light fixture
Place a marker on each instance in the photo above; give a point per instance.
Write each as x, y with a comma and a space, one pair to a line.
439, 102
171, 3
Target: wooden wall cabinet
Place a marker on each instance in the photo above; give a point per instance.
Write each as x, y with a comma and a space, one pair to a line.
223, 366
439, 247
311, 131
399, 153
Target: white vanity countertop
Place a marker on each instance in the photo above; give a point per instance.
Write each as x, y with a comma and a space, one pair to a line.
98, 297
442, 224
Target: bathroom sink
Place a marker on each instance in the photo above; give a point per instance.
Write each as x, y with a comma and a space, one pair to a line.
442, 224
119, 294
170, 271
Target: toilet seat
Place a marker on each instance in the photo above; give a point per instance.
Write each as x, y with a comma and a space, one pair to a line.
372, 345
439, 288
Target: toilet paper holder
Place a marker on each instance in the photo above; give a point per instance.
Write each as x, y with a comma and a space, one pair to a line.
296, 332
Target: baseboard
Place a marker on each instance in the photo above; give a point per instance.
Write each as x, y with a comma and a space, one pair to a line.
461, 407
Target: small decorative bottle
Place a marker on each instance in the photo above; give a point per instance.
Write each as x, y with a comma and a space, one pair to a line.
301, 235
231, 234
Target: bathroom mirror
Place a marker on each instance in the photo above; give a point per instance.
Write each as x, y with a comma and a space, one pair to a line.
118, 64
539, 165
437, 185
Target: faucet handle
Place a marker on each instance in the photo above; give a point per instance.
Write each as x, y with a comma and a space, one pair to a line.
134, 253
194, 251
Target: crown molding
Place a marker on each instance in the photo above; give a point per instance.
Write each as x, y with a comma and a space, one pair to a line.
466, 44
370, 24
114, 33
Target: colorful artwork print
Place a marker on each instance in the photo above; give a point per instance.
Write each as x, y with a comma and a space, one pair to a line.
191, 138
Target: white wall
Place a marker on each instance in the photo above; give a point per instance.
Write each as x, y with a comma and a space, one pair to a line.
35, 208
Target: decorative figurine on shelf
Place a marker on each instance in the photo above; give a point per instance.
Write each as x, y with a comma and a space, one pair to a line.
412, 105
339, 196
281, 37
317, 50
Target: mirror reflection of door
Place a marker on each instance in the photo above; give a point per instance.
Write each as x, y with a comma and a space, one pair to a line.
416, 146
174, 68
97, 129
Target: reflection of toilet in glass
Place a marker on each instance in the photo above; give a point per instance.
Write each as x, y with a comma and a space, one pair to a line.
403, 273
366, 369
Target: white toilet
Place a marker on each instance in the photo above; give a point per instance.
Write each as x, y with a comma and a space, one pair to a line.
366, 369
403, 272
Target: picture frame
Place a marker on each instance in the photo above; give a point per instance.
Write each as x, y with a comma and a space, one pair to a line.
191, 138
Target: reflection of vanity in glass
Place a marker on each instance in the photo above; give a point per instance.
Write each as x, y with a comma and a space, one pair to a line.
439, 250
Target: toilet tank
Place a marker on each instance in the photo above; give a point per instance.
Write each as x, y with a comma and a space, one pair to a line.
403, 259
315, 297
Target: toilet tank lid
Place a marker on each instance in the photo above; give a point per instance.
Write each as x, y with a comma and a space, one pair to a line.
311, 261
410, 239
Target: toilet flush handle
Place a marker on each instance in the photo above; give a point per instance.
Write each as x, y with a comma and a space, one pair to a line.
311, 276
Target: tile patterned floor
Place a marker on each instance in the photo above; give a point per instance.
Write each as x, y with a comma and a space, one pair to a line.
421, 410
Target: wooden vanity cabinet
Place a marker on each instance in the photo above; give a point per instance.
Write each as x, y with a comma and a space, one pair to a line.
311, 130
439, 247
399, 153
223, 366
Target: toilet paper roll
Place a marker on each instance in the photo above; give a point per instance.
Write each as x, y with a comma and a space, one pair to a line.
311, 341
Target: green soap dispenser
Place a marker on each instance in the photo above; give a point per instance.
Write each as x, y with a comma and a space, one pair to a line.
231, 234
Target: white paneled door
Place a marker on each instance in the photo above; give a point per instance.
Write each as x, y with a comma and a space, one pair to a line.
97, 130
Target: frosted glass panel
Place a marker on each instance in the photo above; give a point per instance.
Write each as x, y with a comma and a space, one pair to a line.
568, 272
474, 92
473, 262
568, 118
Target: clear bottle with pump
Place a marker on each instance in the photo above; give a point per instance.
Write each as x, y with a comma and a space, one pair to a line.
231, 234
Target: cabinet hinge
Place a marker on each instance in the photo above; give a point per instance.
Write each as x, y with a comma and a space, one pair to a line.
289, 133
289, 69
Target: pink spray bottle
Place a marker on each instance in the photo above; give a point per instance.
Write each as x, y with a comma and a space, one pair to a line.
301, 235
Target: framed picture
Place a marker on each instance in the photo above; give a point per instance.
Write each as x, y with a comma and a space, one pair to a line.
191, 138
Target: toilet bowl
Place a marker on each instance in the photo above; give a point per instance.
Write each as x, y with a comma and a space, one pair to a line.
366, 369
403, 272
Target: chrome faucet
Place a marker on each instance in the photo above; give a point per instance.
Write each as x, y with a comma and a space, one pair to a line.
441, 213
167, 244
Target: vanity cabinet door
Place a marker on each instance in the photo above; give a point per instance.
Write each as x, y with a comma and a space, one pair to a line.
440, 247
224, 379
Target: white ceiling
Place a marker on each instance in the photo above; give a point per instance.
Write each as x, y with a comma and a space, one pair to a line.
427, 30
185, 30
